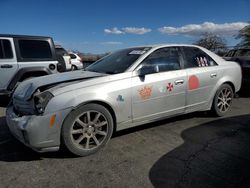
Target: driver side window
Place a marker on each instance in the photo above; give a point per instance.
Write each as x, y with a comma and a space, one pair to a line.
164, 59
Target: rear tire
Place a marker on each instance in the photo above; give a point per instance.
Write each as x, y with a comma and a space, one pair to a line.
222, 100
87, 129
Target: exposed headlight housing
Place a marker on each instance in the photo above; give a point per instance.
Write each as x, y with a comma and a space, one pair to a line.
41, 100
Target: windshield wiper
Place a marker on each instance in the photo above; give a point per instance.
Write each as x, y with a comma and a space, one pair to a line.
104, 72
109, 72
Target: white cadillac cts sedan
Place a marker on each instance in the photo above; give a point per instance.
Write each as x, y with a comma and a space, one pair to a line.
130, 87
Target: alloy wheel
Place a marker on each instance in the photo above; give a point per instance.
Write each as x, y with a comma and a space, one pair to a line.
89, 130
224, 100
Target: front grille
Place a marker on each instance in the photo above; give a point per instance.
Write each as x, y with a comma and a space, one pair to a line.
23, 107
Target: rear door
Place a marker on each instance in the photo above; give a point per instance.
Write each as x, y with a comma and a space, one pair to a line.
203, 74
8, 61
161, 93
36, 52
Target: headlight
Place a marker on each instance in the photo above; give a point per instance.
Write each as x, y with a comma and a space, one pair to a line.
41, 100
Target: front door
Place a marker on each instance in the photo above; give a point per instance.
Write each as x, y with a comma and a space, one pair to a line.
162, 92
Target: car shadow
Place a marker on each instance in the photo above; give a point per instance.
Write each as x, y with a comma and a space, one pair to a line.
214, 154
4, 101
244, 92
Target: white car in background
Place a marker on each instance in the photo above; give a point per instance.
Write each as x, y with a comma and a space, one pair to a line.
76, 61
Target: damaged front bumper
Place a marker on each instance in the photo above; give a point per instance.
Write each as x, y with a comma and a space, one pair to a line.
36, 131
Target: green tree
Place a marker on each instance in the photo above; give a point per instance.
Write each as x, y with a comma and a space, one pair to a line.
212, 42
244, 36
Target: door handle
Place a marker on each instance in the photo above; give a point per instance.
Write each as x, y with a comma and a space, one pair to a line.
177, 82
213, 75
6, 66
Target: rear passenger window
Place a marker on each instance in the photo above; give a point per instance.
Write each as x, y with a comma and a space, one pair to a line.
35, 49
5, 49
195, 57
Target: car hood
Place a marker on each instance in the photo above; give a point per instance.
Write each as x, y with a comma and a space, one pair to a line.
26, 89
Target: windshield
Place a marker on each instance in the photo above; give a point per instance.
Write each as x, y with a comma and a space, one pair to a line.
117, 62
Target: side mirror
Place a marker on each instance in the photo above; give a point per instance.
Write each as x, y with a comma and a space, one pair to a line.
147, 69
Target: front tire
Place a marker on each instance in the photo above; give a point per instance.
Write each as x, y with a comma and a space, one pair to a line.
222, 100
87, 129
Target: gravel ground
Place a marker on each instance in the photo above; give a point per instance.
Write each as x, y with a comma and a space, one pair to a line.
193, 150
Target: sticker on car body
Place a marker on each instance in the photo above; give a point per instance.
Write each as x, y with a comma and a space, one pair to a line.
162, 89
145, 92
170, 87
193, 82
137, 52
201, 61
120, 98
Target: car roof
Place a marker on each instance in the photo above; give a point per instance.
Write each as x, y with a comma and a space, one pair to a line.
166, 45
23, 36
154, 47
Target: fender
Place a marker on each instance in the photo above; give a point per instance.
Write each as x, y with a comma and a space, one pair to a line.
24, 71
225, 79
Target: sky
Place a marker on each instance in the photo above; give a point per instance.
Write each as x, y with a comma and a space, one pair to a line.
104, 26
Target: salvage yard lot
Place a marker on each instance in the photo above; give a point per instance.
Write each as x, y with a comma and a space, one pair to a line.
193, 150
